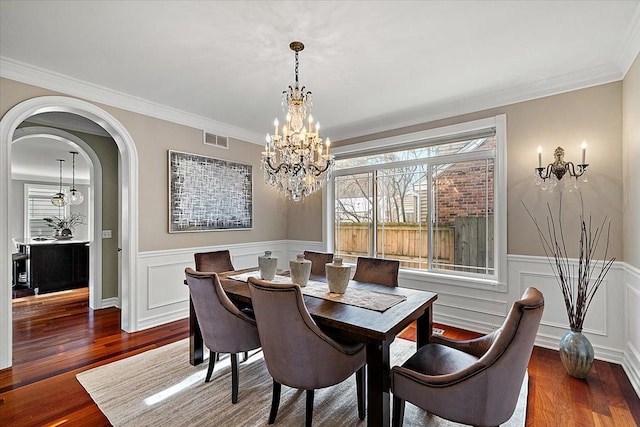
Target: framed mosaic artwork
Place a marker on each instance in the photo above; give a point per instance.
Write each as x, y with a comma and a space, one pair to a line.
208, 194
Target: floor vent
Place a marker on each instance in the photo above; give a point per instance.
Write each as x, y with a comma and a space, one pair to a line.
216, 140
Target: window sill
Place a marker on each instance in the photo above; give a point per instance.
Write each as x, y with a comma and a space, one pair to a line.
451, 280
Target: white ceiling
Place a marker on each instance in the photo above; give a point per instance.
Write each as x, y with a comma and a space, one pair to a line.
371, 65
34, 157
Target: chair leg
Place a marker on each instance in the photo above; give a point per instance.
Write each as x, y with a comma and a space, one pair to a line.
398, 412
309, 415
234, 378
275, 402
212, 364
361, 389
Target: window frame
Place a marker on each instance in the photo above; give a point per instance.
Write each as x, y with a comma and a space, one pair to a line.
497, 282
46, 187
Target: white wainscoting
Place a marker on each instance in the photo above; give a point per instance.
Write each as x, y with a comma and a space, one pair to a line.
162, 296
631, 362
612, 323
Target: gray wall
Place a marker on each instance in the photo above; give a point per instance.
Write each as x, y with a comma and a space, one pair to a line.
153, 138
594, 114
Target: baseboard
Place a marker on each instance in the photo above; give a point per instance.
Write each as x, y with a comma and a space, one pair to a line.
110, 302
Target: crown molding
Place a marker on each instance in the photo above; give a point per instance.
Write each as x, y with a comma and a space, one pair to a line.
491, 99
28, 74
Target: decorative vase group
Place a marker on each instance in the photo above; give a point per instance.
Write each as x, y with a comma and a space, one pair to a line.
338, 276
576, 353
268, 265
300, 269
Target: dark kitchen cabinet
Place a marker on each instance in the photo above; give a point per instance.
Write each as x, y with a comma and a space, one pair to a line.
59, 266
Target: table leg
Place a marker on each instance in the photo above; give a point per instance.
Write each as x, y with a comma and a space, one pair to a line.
424, 328
196, 344
378, 384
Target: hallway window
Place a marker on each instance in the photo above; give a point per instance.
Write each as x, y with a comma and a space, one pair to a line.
38, 206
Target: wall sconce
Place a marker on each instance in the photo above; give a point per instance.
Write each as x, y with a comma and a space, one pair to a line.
559, 167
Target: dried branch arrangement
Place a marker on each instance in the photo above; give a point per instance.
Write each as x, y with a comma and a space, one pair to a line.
578, 285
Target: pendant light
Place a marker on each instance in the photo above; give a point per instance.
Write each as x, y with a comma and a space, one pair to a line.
75, 196
58, 199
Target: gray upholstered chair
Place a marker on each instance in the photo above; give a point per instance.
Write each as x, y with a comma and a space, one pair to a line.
318, 261
474, 382
297, 353
377, 270
217, 261
225, 329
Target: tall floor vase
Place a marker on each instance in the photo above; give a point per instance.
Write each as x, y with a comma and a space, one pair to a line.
576, 353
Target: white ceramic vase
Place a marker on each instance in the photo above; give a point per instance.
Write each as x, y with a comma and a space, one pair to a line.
300, 270
268, 265
338, 276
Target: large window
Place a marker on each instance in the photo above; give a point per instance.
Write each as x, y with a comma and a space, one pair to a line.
428, 201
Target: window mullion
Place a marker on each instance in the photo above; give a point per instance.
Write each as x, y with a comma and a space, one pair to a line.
374, 216
430, 215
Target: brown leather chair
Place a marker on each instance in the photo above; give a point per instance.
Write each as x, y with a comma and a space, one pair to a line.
474, 382
217, 261
318, 261
377, 270
297, 353
225, 329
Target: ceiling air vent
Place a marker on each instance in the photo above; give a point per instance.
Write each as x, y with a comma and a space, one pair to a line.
216, 140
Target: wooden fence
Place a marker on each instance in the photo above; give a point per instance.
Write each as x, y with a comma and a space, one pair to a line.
466, 242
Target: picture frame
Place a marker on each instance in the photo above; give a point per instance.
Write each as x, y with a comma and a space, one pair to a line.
209, 194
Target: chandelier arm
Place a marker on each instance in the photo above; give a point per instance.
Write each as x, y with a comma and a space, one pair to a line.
582, 168
319, 171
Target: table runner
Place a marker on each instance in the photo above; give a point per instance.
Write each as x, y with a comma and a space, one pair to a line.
364, 298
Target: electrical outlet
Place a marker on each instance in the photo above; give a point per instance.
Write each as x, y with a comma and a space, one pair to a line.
106, 234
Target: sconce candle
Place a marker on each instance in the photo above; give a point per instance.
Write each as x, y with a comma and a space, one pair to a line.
584, 152
539, 156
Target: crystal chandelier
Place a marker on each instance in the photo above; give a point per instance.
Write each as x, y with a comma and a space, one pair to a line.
295, 160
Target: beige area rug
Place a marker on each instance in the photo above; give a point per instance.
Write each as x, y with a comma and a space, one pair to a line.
160, 387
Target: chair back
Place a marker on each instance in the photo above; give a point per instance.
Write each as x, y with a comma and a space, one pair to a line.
377, 270
217, 261
225, 329
486, 387
297, 353
318, 261
508, 356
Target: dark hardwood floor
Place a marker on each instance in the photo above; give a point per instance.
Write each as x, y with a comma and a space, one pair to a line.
57, 335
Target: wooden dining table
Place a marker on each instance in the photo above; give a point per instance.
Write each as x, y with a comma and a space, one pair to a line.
374, 328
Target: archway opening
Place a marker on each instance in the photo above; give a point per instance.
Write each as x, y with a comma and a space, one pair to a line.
128, 215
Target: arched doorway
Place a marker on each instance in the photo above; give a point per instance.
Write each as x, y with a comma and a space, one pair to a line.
95, 193
128, 196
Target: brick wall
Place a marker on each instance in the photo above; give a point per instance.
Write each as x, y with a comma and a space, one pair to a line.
463, 190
